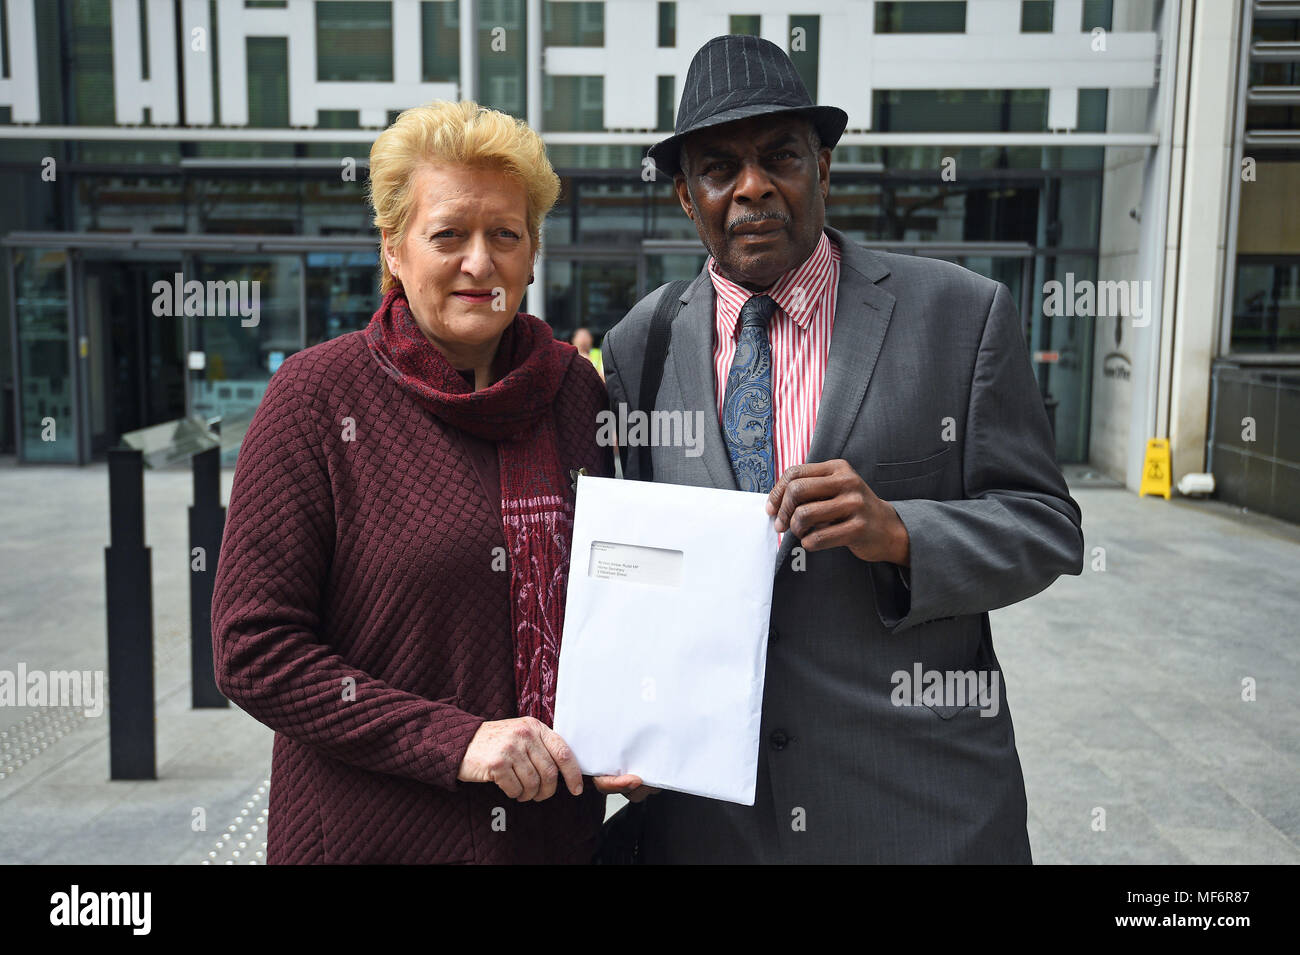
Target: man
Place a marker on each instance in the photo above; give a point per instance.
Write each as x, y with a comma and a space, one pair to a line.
887, 405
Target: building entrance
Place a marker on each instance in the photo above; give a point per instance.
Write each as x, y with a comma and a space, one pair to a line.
135, 361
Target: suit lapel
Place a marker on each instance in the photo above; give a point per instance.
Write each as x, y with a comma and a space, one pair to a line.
692, 356
862, 314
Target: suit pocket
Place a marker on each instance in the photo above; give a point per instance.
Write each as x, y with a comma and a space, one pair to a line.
887, 472
910, 480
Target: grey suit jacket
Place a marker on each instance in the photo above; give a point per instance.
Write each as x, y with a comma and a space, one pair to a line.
930, 396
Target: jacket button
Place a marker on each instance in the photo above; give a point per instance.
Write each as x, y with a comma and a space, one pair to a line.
778, 739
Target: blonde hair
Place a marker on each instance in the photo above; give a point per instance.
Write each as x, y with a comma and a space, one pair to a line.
464, 134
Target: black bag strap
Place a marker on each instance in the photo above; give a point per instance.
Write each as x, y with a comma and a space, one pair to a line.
652, 363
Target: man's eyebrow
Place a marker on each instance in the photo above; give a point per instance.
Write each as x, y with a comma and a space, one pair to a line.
781, 139
712, 151
718, 150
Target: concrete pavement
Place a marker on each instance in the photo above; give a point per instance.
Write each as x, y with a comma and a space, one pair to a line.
1126, 687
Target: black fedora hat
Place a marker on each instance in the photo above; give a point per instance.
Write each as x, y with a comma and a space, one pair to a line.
735, 77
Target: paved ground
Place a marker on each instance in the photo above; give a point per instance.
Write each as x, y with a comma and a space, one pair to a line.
1125, 685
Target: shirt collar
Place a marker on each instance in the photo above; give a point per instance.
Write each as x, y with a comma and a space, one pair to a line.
796, 293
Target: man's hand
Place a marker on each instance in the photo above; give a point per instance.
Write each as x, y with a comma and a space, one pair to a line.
625, 785
524, 756
828, 505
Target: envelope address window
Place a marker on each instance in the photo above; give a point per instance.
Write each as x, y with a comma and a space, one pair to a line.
657, 566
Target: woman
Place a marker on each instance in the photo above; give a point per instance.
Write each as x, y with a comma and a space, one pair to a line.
390, 592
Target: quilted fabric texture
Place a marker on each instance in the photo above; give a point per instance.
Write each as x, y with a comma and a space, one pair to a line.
362, 611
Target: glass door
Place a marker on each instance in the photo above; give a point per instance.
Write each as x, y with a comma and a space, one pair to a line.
668, 260
132, 360
594, 293
235, 349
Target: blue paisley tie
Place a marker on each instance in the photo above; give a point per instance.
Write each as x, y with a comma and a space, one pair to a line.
747, 405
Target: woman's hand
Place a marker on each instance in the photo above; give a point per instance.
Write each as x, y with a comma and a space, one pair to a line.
524, 756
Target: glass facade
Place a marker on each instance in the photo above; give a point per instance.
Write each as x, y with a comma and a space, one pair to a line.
134, 360
440, 41
938, 111
1041, 208
242, 351
268, 81
1036, 16
599, 248
1254, 444
90, 44
667, 23
48, 426
502, 56
805, 41
354, 41
574, 104
342, 293
1265, 306
921, 16
573, 24
590, 292
1022, 215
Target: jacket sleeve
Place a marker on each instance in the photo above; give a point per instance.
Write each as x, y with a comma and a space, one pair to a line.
1017, 529
266, 615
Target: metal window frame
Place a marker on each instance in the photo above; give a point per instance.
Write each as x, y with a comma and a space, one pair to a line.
1246, 26
14, 358
1240, 140
80, 386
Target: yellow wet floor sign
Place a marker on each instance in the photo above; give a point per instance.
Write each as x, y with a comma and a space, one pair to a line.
1156, 469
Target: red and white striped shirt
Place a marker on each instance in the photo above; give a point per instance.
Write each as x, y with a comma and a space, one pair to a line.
799, 333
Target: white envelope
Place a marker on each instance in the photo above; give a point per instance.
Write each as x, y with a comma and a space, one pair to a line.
665, 635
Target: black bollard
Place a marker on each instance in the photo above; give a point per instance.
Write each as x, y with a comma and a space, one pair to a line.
207, 522
129, 592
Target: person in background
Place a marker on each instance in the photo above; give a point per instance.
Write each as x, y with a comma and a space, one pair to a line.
582, 340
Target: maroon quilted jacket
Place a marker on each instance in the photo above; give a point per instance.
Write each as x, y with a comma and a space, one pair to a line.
362, 612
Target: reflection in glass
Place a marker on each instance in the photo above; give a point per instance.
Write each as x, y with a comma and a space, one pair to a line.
671, 268
41, 295
1266, 305
596, 294
1069, 379
342, 293
239, 358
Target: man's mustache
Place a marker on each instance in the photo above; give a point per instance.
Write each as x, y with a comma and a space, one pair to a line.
750, 218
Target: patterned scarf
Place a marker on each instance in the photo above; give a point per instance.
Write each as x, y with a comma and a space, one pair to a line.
516, 413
